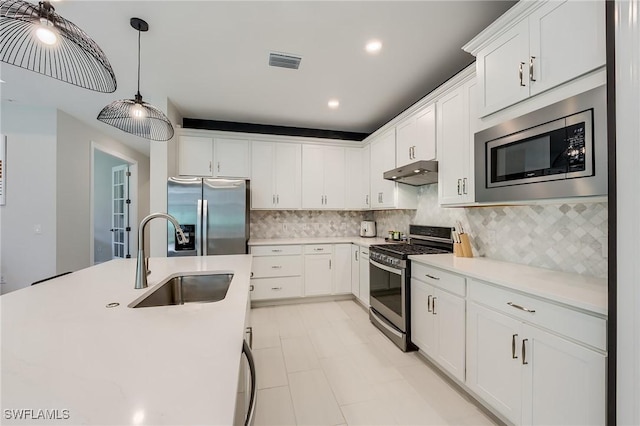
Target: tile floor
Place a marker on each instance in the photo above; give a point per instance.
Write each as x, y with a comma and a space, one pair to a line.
326, 364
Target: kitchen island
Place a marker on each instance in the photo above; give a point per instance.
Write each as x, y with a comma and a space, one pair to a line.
66, 353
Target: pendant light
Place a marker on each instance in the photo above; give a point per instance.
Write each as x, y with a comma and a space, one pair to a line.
134, 115
36, 38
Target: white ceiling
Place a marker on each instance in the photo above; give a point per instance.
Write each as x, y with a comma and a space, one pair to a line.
209, 58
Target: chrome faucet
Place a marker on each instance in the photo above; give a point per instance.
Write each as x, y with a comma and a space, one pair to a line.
142, 269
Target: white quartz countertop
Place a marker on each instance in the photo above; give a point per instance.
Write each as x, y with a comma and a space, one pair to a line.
579, 291
62, 349
362, 242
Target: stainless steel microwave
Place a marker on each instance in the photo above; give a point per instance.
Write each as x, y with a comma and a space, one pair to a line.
559, 151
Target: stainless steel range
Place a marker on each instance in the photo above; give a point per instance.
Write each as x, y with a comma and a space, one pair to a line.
390, 273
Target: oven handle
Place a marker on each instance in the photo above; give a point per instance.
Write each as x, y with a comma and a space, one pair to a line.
385, 325
385, 267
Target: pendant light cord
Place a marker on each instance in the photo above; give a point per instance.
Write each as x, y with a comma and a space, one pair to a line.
139, 95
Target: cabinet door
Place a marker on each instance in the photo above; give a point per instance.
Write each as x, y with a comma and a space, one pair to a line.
355, 270
468, 149
262, 170
313, 177
334, 177
383, 158
449, 311
453, 142
424, 147
567, 39
317, 274
231, 158
405, 140
364, 276
494, 360
341, 267
498, 69
564, 383
423, 325
288, 175
195, 154
354, 182
365, 195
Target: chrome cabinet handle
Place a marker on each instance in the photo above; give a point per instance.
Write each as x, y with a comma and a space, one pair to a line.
459, 182
513, 346
276, 267
522, 308
433, 305
524, 351
218, 167
254, 389
464, 185
209, 166
277, 199
366, 199
318, 249
521, 74
251, 287
356, 253
531, 58
273, 199
432, 277
276, 288
276, 250
429, 303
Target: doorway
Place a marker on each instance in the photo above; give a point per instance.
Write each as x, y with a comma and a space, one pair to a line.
113, 205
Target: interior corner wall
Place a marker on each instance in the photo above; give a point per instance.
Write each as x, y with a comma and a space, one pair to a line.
73, 178
28, 235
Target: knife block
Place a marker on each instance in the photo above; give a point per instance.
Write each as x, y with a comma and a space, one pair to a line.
463, 248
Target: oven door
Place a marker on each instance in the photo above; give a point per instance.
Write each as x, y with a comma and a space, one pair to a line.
387, 290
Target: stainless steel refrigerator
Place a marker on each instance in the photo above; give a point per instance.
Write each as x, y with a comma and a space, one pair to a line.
214, 213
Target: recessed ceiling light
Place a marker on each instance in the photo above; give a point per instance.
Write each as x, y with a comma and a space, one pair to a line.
373, 46
333, 103
417, 171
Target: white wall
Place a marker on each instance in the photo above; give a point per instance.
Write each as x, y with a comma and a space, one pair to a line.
628, 205
30, 195
74, 188
102, 176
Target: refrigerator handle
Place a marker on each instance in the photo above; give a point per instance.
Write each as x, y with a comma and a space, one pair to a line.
199, 230
205, 226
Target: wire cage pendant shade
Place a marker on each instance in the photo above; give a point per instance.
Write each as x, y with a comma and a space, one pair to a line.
68, 55
134, 115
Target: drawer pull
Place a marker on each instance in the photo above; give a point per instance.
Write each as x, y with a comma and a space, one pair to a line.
433, 305
276, 267
429, 303
276, 251
276, 288
318, 249
513, 347
524, 351
432, 277
522, 308
251, 287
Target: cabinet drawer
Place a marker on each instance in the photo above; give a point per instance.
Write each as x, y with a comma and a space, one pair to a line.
276, 266
276, 288
448, 281
318, 249
275, 250
576, 325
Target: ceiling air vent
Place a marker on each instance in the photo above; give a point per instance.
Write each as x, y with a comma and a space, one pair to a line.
283, 60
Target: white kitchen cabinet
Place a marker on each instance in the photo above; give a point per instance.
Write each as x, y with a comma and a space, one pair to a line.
364, 276
357, 178
383, 158
213, 157
341, 267
195, 156
276, 170
355, 270
276, 272
416, 137
528, 374
231, 158
323, 177
438, 317
317, 274
555, 42
457, 118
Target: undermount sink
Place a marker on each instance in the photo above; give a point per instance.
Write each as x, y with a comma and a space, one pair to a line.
188, 289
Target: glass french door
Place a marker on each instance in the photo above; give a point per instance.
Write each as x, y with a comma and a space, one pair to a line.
120, 212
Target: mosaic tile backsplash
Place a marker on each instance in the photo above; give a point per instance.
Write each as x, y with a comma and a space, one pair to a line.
564, 237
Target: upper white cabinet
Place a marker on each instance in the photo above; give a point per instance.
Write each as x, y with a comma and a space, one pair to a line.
457, 117
323, 177
416, 137
357, 178
383, 158
276, 171
213, 157
545, 44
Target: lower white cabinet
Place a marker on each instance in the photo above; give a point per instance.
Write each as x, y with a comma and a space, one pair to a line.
530, 375
341, 269
317, 274
355, 270
438, 324
276, 272
364, 276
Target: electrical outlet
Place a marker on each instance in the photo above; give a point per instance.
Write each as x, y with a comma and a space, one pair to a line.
37, 229
285, 228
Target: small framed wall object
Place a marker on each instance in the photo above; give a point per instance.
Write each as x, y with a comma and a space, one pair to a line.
3, 168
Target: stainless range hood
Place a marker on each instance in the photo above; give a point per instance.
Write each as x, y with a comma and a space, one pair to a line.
416, 174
